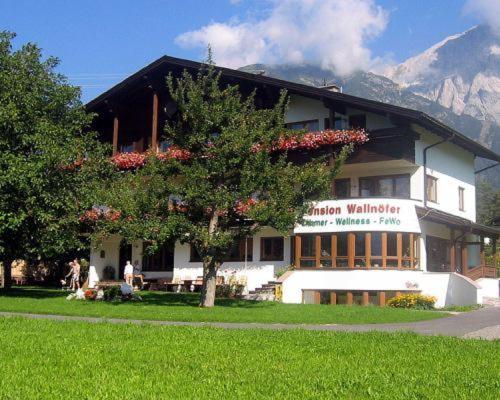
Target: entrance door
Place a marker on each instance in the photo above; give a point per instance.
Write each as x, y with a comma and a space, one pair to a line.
125, 255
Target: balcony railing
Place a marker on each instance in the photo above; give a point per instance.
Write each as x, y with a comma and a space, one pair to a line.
482, 271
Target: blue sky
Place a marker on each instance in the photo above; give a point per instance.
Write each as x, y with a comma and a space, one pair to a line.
100, 42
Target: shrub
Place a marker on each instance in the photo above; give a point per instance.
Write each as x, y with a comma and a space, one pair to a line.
281, 272
112, 293
108, 273
229, 290
413, 300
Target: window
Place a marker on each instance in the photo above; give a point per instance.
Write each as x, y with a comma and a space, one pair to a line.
357, 121
163, 145
461, 204
310, 126
342, 188
161, 260
236, 253
342, 297
358, 250
341, 123
385, 186
271, 249
438, 254
127, 147
431, 188
238, 250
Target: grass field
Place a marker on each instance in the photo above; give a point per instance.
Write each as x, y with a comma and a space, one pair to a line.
65, 360
184, 307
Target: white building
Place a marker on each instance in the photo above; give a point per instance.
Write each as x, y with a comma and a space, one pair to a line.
401, 218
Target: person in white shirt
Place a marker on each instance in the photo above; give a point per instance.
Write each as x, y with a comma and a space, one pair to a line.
128, 272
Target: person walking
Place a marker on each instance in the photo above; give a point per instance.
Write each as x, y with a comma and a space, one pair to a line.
75, 275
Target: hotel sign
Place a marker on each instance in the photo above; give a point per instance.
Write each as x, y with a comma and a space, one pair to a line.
355, 215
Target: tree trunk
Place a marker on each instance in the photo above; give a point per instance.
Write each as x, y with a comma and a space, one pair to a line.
207, 298
7, 273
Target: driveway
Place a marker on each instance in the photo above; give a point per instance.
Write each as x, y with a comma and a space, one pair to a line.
483, 323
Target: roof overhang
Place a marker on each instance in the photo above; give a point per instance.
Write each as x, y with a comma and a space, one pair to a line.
326, 95
431, 214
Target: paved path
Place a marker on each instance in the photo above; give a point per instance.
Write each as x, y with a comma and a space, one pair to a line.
483, 323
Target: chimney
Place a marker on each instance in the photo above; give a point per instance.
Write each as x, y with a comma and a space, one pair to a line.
331, 88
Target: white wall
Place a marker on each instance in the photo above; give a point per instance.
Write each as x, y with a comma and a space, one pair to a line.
256, 272
448, 288
305, 109
111, 248
454, 168
489, 287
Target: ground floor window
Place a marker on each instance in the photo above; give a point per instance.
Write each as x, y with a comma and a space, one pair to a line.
161, 260
438, 254
238, 252
357, 250
271, 248
349, 297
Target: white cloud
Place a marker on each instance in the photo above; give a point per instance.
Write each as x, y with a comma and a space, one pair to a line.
487, 10
333, 33
495, 50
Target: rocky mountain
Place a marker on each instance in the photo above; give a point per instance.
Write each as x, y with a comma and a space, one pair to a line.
461, 73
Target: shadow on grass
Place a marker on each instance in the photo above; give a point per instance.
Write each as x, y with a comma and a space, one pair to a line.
148, 298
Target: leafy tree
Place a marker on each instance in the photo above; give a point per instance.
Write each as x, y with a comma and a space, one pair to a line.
44, 182
488, 203
226, 174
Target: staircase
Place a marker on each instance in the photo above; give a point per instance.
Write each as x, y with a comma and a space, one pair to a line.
264, 293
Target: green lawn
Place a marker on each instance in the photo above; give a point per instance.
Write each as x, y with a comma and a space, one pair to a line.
184, 307
78, 360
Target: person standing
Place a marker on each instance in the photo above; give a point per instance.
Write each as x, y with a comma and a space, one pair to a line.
128, 272
138, 273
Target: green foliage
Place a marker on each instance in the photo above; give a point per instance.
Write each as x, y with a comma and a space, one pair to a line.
83, 360
112, 293
412, 300
43, 187
196, 200
184, 307
488, 203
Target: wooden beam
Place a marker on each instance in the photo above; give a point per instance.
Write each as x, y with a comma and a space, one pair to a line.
317, 297
366, 298
333, 298
464, 259
368, 249
350, 298
154, 125
298, 245
399, 242
412, 250
384, 250
381, 299
351, 242
116, 125
317, 250
334, 251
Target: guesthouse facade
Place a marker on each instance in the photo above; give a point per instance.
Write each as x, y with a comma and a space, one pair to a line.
401, 217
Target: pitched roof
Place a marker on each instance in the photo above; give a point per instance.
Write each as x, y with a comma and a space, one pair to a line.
408, 114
